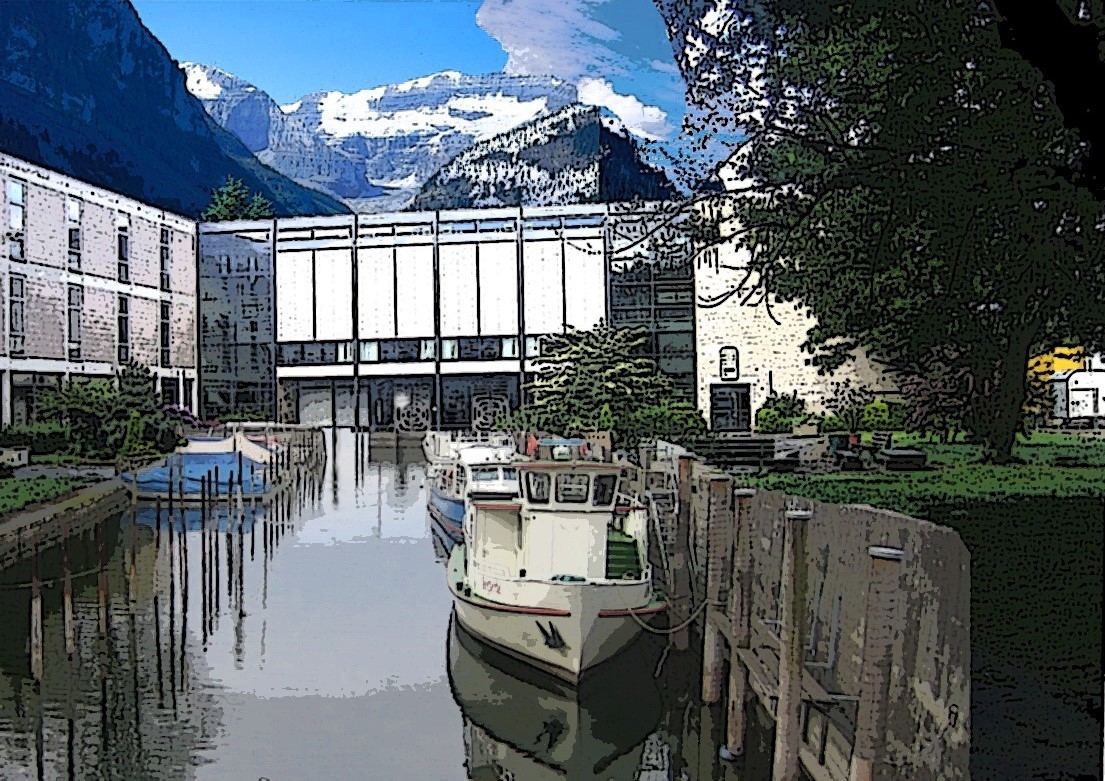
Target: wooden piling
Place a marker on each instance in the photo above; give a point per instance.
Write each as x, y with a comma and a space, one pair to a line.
880, 625
681, 587
792, 644
740, 618
719, 546
67, 596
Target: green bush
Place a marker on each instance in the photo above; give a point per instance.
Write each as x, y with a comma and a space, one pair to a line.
786, 406
41, 438
831, 423
771, 421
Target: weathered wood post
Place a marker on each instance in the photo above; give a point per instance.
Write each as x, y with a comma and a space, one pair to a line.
792, 644
740, 618
719, 546
880, 627
681, 587
67, 596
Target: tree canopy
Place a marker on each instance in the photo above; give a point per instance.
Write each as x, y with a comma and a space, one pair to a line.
232, 201
597, 380
908, 178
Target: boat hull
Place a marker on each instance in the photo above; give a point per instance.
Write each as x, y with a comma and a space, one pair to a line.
448, 513
565, 643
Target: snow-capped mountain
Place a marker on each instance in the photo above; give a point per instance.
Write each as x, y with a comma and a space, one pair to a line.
374, 149
574, 155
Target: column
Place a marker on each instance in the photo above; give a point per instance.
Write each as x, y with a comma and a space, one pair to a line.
740, 617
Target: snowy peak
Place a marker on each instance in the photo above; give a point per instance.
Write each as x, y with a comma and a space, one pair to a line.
376, 147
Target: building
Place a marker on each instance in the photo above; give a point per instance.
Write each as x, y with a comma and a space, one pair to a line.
90, 280
1080, 393
415, 320
749, 346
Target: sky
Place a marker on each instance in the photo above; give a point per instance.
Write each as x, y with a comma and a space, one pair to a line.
615, 51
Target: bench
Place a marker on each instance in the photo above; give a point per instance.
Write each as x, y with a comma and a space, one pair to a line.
892, 458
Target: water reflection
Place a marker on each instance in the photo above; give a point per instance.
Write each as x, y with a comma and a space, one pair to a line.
304, 639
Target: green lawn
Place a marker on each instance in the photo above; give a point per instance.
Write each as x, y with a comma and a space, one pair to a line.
15, 494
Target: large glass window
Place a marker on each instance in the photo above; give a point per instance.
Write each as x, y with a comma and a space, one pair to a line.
16, 324
17, 219
449, 349
428, 350
605, 487
166, 275
122, 233
370, 352
510, 347
73, 210
76, 304
124, 328
166, 331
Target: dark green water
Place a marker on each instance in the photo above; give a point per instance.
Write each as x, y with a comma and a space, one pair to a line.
1036, 626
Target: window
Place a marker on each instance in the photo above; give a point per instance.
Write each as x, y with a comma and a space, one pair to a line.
401, 350
166, 277
124, 329
604, 490
166, 326
479, 349
449, 349
17, 219
510, 347
76, 303
16, 323
485, 474
533, 346
729, 364
73, 221
370, 352
345, 352
428, 351
122, 232
571, 489
537, 487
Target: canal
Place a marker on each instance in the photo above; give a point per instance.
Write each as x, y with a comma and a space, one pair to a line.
311, 639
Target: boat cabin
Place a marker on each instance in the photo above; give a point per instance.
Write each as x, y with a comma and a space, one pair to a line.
564, 526
480, 471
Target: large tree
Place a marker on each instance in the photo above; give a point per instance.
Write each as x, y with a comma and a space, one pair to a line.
908, 178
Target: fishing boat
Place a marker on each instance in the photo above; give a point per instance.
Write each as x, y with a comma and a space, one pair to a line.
519, 723
475, 472
557, 577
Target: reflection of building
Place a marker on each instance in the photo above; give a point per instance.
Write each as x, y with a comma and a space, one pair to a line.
427, 319
90, 280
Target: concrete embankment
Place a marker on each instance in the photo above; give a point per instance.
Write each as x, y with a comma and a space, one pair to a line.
24, 531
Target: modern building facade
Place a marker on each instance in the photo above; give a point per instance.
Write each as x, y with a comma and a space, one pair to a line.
415, 320
90, 280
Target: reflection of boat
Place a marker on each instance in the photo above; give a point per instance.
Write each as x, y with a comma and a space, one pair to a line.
558, 577
183, 474
520, 722
189, 518
476, 472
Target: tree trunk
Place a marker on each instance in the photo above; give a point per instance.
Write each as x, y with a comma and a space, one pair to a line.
1003, 407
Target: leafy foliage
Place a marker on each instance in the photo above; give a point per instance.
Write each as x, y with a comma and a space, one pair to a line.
232, 201
911, 181
41, 439
103, 417
848, 403
597, 380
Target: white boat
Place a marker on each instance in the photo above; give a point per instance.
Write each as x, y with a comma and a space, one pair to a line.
476, 471
441, 447
519, 723
558, 577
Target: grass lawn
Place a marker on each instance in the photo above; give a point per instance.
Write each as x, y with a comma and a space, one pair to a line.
15, 494
1057, 465
64, 459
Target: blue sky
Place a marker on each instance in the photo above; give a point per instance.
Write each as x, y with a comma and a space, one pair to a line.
615, 50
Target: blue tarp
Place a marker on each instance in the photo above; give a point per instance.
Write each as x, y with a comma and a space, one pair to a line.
187, 469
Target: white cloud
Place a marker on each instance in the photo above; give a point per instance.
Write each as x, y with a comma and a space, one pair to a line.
562, 38
646, 121
550, 36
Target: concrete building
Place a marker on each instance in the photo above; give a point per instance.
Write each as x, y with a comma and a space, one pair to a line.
428, 319
90, 280
1080, 394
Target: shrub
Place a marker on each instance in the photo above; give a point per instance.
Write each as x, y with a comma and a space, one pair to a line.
770, 421
787, 406
41, 438
831, 423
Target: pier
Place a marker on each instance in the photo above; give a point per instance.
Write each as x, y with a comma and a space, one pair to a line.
848, 624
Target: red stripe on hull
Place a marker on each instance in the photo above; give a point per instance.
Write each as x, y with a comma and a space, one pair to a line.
533, 611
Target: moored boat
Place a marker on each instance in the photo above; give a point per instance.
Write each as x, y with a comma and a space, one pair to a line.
441, 447
559, 576
475, 471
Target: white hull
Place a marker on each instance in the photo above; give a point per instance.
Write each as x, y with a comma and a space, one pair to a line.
581, 633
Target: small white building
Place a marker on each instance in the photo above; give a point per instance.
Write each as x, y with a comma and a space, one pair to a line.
1081, 393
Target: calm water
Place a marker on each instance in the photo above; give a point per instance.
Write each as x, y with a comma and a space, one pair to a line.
315, 644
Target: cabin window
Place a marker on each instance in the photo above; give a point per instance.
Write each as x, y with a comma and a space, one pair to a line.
571, 489
605, 486
537, 487
485, 473
510, 473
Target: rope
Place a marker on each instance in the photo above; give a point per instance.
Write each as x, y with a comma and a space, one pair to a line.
670, 630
